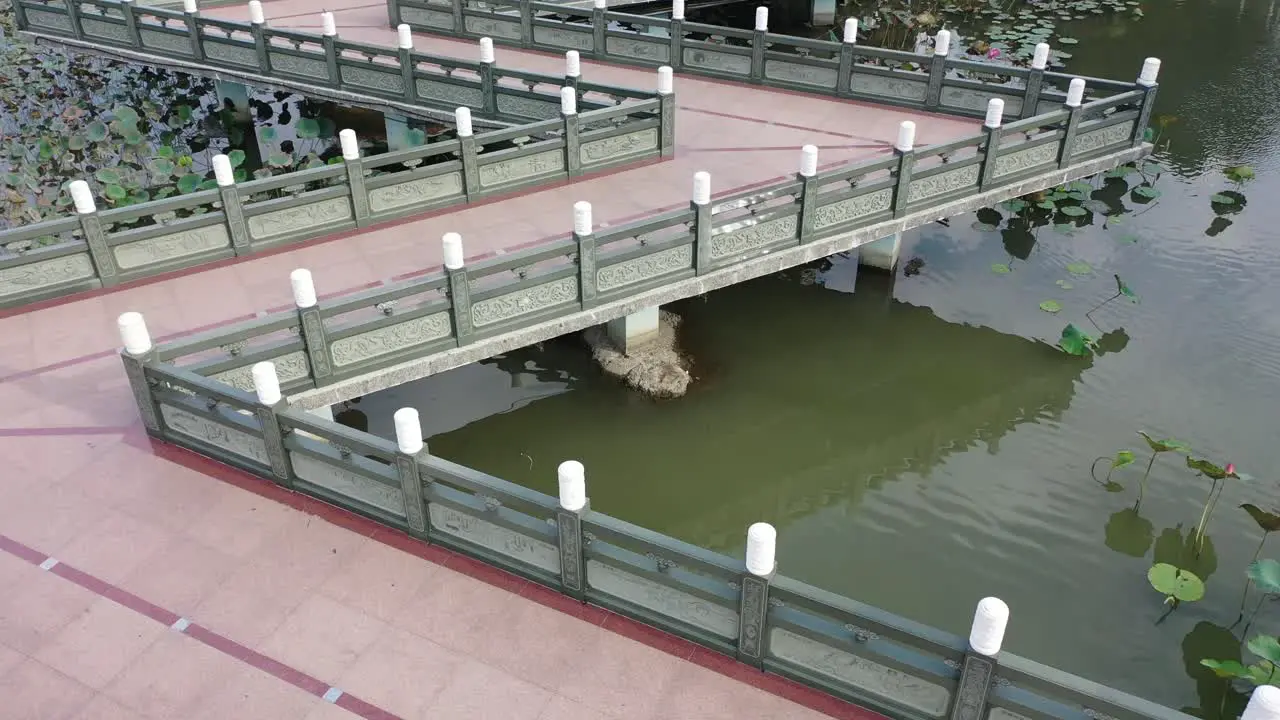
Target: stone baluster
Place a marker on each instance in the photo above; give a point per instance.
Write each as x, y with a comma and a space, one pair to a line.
191, 13
1147, 80
991, 146
844, 76
95, 237
937, 69
701, 206
599, 28
232, 209
572, 69
129, 11
667, 110
675, 54
488, 84
1073, 105
258, 26
355, 176
329, 41
569, 114
467, 152
137, 354
986, 635
309, 319
808, 191
753, 608
583, 234
455, 270
904, 148
1035, 80
759, 43
266, 384
404, 45
411, 450
572, 479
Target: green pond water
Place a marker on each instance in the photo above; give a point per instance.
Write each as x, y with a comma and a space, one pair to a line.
920, 443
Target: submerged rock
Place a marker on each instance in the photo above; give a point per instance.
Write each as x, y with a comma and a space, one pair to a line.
657, 369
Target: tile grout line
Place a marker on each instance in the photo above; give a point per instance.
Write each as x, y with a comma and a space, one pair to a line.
285, 673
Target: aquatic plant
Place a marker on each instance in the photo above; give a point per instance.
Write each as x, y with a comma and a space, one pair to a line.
1075, 341
1266, 647
1217, 476
1176, 584
1264, 575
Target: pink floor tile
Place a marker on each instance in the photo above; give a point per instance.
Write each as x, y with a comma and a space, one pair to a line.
250, 693
239, 523
181, 574
100, 643
172, 677
460, 612
114, 546
323, 637
479, 692
9, 659
35, 611
402, 672
562, 708
379, 580
33, 691
102, 707
621, 676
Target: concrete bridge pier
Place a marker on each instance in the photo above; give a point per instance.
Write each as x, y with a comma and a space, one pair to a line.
634, 331
234, 96
399, 136
881, 254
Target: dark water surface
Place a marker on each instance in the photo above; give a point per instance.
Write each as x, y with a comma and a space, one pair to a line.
920, 443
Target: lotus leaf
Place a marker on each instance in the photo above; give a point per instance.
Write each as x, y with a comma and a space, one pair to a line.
1051, 306
1265, 574
1268, 521
1175, 583
1165, 444
1075, 342
1266, 647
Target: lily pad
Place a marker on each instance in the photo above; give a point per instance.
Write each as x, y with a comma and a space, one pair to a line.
1123, 289
1051, 306
984, 227
1265, 574
236, 157
115, 193
183, 112
1220, 199
1079, 268
108, 176
1064, 284
1175, 583
1226, 668
125, 114
1075, 342
189, 183
1208, 469
1000, 268
1165, 444
96, 131
1268, 521
1146, 191
1073, 211
280, 160
309, 128
1266, 647
1240, 173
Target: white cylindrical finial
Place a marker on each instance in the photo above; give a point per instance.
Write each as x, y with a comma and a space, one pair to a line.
190, 6
989, 622
1075, 93
701, 187
82, 196
995, 113
222, 171
304, 288
851, 30
133, 333
1150, 71
462, 117
677, 9
452, 244
906, 136
1264, 704
762, 19
1040, 58
666, 80
256, 15
601, 4
350, 145
582, 218
266, 383
486, 50
404, 36
568, 101
809, 160
762, 543
942, 43
408, 431
573, 485
572, 64
328, 27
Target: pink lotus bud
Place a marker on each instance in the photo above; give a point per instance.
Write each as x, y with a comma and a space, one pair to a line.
1231, 468
993, 53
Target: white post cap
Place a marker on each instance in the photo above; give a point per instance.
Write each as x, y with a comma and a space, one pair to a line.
452, 245
350, 144
572, 64
762, 545
701, 187
222, 171
572, 478
582, 217
677, 9
462, 117
328, 27
809, 160
1150, 71
486, 50
266, 383
1075, 93
995, 113
190, 6
601, 4
256, 15
906, 136
304, 288
989, 622
1264, 704
133, 333
1040, 58
568, 101
404, 36
762, 19
666, 80
851, 30
82, 196
942, 43
408, 431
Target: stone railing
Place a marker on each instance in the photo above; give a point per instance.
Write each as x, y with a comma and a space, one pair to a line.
590, 277
96, 249
745, 610
318, 64
935, 82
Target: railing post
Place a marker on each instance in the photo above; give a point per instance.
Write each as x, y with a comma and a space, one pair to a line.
583, 235
808, 192
404, 43
95, 238
459, 287
572, 479
903, 148
979, 668
393, 13
270, 403
937, 69
411, 449
676, 52
526, 24
488, 88
355, 176
232, 210
572, 69
329, 41
467, 153
991, 148
137, 354
459, 21
701, 206
19, 15
130, 22
569, 114
1264, 704
313, 335
1075, 98
1035, 81
73, 16
1147, 81
667, 111
753, 609
259, 22
599, 26
191, 10
844, 76
759, 41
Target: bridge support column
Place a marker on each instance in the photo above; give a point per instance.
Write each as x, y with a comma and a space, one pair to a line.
234, 96
881, 254
979, 668
634, 331
398, 135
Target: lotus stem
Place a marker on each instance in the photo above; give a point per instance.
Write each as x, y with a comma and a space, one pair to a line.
1258, 552
1142, 486
1254, 614
1104, 302
1093, 471
1221, 485
1198, 534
